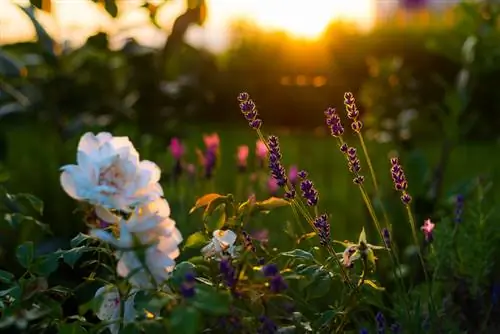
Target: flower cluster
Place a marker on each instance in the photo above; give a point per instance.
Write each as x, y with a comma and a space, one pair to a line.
334, 123
399, 180
276, 283
277, 170
323, 226
248, 109
352, 111
110, 176
353, 162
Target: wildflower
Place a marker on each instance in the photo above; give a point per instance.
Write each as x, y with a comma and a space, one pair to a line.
272, 186
276, 282
222, 242
212, 141
242, 156
267, 326
176, 148
323, 226
459, 208
277, 170
302, 174
380, 323
309, 192
293, 175
109, 173
261, 152
248, 109
399, 180
334, 123
110, 309
355, 251
187, 287
352, 112
228, 273
387, 237
427, 230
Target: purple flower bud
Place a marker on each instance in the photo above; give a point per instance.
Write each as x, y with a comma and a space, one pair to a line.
309, 192
323, 226
399, 180
334, 122
278, 172
248, 109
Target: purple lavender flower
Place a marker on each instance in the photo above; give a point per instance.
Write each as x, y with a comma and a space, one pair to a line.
334, 122
380, 323
302, 174
399, 180
187, 287
267, 326
309, 192
228, 273
210, 160
352, 111
270, 270
353, 163
278, 172
459, 208
387, 237
323, 226
248, 109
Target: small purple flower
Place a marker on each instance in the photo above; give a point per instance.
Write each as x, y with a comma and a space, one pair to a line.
277, 170
323, 226
302, 174
459, 208
276, 282
267, 326
228, 273
387, 237
270, 270
380, 323
399, 180
309, 192
249, 110
334, 122
187, 287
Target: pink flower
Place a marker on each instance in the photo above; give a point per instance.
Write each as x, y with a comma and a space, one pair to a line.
242, 155
191, 169
272, 185
211, 141
427, 229
176, 148
261, 150
293, 174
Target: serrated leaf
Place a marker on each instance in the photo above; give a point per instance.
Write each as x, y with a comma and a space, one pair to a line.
204, 201
25, 254
34, 201
299, 254
185, 319
197, 239
6, 277
211, 301
79, 239
271, 203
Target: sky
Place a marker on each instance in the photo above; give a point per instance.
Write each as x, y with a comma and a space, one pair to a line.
75, 20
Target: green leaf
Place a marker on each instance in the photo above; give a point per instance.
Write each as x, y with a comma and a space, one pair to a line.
362, 236
16, 219
46, 265
325, 319
271, 203
373, 285
195, 240
211, 301
204, 201
71, 256
14, 292
6, 277
180, 272
185, 319
72, 328
25, 254
213, 205
79, 239
299, 254
320, 286
34, 201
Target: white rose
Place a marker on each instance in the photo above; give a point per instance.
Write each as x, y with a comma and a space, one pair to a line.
222, 241
110, 174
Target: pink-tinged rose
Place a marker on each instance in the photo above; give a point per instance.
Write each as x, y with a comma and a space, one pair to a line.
242, 155
272, 185
176, 148
211, 141
261, 150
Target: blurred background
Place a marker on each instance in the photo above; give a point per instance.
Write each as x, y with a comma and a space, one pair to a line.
425, 74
